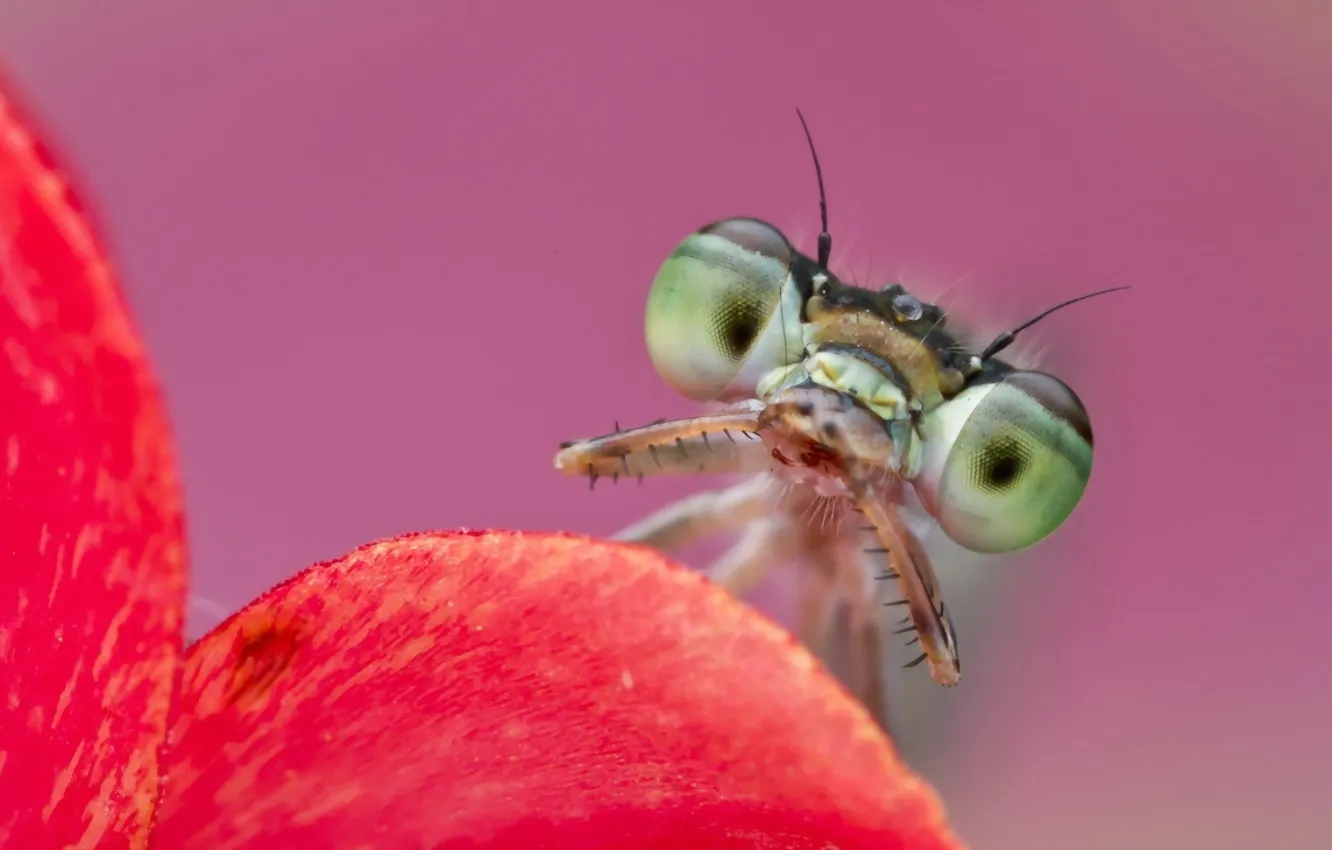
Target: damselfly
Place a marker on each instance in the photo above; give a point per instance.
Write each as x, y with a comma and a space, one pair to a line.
847, 407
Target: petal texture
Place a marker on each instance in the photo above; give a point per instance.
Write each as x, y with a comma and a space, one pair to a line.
91, 558
523, 690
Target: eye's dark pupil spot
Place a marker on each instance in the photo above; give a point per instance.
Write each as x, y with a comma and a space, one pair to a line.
741, 333
739, 330
1003, 470
999, 465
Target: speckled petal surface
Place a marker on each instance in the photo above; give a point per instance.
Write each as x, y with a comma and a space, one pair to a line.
91, 559
523, 690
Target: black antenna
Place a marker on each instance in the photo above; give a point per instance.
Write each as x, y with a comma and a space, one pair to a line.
825, 238
1006, 338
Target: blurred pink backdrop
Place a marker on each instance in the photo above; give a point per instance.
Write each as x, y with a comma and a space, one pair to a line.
388, 255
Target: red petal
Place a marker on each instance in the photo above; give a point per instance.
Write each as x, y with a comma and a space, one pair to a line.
512, 690
91, 588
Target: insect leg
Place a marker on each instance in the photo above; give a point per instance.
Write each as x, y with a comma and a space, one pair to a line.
865, 640
815, 607
744, 565
866, 451
854, 642
723, 440
692, 518
919, 586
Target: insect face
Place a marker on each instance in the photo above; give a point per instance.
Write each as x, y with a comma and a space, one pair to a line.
834, 394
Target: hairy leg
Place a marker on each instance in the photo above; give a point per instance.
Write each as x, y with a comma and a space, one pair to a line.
721, 441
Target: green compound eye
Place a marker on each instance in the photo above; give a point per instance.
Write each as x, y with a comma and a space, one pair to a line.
723, 310
1005, 464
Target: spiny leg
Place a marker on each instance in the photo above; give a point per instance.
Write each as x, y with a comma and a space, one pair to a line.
920, 588
694, 517
867, 453
722, 440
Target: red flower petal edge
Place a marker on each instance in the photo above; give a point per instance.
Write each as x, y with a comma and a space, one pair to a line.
91, 589
523, 690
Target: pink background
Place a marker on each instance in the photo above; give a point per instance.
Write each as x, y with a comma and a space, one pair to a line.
389, 254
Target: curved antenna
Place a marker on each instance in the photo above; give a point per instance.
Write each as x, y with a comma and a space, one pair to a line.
825, 238
1006, 338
